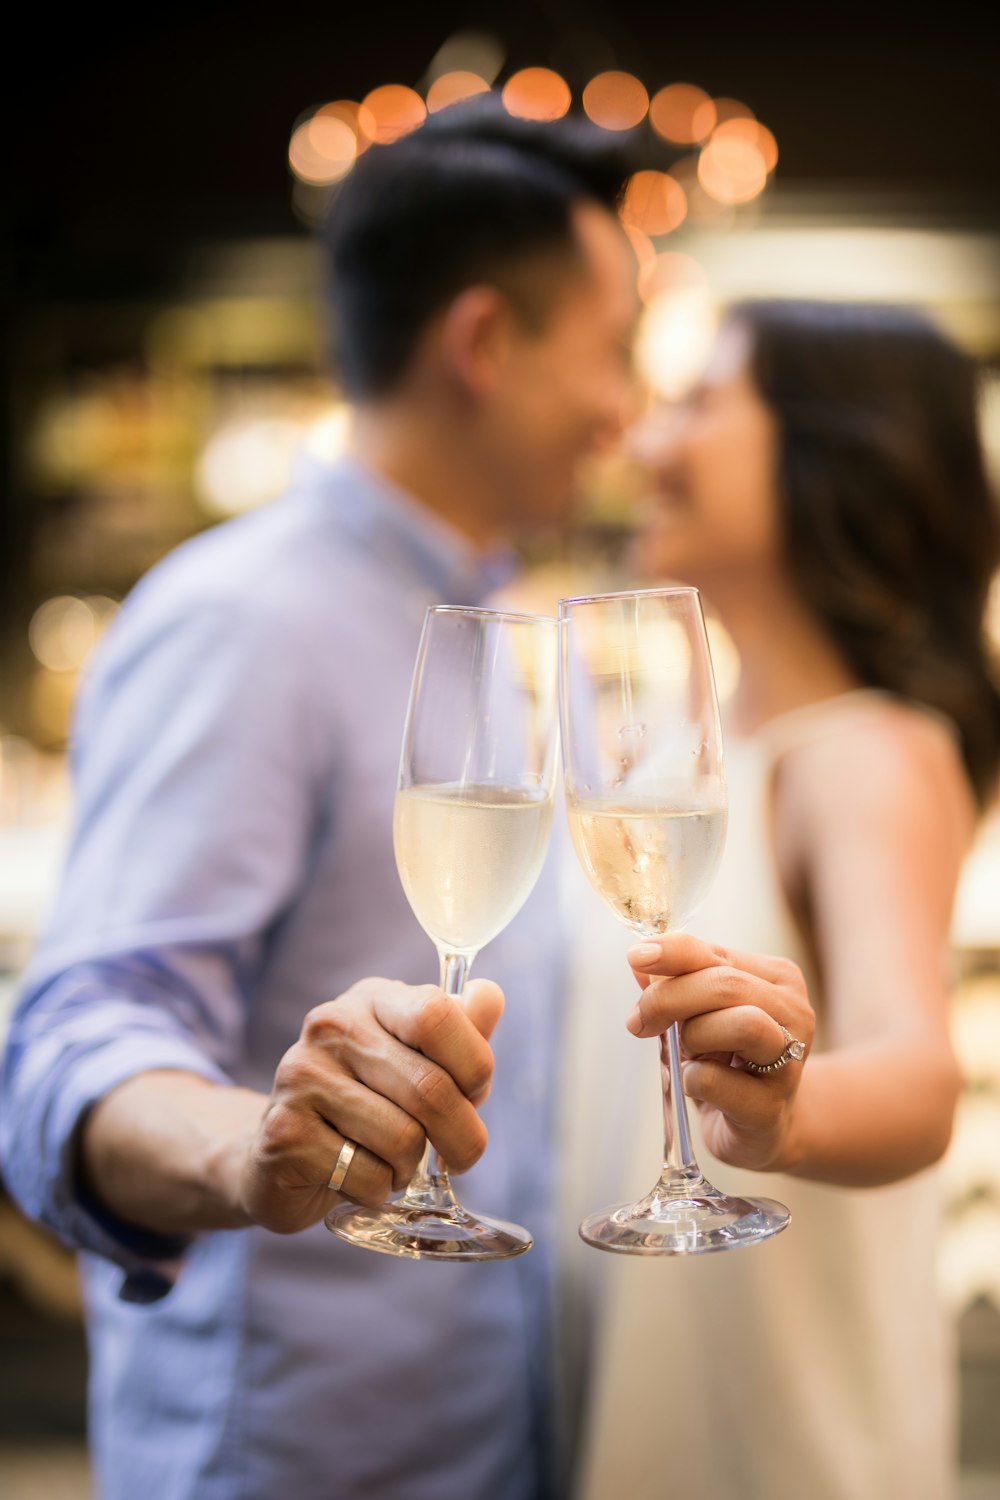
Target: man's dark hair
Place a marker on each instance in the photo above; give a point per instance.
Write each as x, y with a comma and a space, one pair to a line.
473, 196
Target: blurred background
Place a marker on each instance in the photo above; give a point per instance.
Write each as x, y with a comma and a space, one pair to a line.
164, 358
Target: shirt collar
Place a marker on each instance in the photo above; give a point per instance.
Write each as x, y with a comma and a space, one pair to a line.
406, 535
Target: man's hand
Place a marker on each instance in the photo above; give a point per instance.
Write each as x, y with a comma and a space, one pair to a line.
387, 1066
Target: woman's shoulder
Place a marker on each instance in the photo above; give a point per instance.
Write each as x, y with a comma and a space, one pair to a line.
872, 761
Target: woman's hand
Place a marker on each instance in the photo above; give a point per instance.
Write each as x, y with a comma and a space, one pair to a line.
731, 1008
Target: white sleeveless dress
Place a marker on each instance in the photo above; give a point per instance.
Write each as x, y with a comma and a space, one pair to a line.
816, 1366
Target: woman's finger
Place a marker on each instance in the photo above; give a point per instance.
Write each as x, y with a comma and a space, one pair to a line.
747, 1030
679, 953
720, 988
748, 1103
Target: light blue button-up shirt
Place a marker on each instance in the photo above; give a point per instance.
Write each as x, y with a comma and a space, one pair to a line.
235, 762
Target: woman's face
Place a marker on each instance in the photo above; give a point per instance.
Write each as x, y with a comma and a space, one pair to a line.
711, 462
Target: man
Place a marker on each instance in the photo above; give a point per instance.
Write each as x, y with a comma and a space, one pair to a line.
178, 1068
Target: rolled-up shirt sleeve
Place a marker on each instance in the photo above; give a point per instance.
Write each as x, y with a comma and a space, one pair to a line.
198, 779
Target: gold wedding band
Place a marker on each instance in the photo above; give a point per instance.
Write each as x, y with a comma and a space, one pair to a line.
343, 1165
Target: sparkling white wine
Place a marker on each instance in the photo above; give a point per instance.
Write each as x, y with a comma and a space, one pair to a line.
468, 857
652, 864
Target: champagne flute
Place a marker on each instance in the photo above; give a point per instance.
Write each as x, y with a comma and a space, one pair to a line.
470, 828
646, 801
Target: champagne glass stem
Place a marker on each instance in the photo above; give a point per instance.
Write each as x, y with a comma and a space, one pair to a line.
679, 1166
429, 1186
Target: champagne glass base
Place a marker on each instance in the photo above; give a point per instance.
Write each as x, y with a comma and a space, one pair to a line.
428, 1233
695, 1220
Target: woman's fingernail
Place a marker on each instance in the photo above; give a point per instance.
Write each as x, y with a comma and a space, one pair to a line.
643, 953
634, 1022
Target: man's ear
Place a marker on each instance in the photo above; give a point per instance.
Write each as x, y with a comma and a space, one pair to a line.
475, 336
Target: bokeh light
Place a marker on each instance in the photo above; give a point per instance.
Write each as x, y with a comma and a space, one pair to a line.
360, 119
675, 336
396, 110
246, 463
322, 150
616, 101
669, 271
714, 111
645, 250
452, 88
329, 436
654, 202
753, 131
732, 170
537, 94
64, 630
682, 113
468, 52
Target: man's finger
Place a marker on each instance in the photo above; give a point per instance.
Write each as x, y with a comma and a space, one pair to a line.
484, 1003
439, 1028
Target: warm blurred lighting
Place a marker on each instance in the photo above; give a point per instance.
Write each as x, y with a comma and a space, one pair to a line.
64, 630
245, 464
753, 131
725, 658
645, 250
617, 101
674, 110
674, 340
322, 149
468, 52
732, 109
654, 203
451, 88
361, 120
537, 94
712, 113
668, 272
732, 170
396, 110
329, 436
702, 208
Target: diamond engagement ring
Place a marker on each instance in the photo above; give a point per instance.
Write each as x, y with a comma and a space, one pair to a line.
794, 1051
343, 1165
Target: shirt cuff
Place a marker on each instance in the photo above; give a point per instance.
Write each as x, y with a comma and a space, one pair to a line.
151, 1261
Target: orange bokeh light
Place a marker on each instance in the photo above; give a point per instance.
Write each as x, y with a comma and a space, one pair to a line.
669, 271
645, 250
617, 101
654, 202
732, 170
360, 119
537, 94
396, 111
322, 150
712, 113
452, 88
752, 131
674, 110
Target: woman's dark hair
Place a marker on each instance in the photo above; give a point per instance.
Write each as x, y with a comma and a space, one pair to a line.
474, 195
891, 530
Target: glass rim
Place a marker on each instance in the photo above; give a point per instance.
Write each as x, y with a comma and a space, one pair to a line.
681, 588
490, 614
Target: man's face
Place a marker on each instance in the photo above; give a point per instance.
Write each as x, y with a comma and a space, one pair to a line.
562, 387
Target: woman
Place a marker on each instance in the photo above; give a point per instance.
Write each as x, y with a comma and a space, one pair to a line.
824, 486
